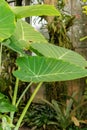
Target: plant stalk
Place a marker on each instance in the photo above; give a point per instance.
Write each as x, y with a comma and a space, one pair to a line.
27, 106
14, 97
15, 92
23, 94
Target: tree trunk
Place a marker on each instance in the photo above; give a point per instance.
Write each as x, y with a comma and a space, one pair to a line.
76, 9
55, 89
50, 2
18, 2
72, 86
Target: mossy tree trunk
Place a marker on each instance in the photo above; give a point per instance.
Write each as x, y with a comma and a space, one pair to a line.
50, 2
76, 9
56, 89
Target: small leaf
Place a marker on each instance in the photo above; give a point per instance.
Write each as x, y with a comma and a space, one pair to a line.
5, 105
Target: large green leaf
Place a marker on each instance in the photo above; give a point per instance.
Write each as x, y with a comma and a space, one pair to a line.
35, 10
23, 35
40, 69
57, 52
7, 21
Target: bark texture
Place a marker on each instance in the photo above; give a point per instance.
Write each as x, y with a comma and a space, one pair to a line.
18, 2
50, 2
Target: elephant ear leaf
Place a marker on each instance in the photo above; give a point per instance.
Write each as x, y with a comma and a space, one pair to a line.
35, 10
42, 69
7, 21
24, 35
56, 52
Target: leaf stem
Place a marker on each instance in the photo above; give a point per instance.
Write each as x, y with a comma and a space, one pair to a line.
27, 106
15, 92
23, 94
14, 97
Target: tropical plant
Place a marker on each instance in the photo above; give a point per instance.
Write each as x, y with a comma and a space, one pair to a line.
58, 30
50, 63
58, 115
40, 115
67, 115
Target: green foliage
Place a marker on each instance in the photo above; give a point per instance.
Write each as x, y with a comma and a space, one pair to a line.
6, 123
5, 105
6, 17
1, 128
85, 9
85, 12
84, 0
85, 93
18, 36
19, 42
61, 4
22, 37
57, 52
58, 31
59, 26
66, 115
39, 115
62, 116
42, 69
35, 10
